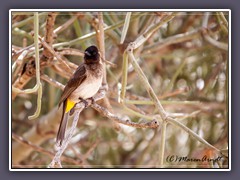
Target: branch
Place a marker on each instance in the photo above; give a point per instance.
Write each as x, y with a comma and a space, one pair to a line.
144, 79
174, 40
37, 63
45, 128
78, 109
90, 35
56, 162
124, 78
218, 44
71, 51
49, 35
65, 25
150, 124
162, 145
222, 22
25, 21
25, 78
42, 150
101, 44
164, 117
50, 49
18, 64
190, 132
52, 81
99, 28
141, 39
125, 27
208, 38
38, 85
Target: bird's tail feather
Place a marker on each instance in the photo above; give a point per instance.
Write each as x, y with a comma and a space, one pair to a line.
62, 126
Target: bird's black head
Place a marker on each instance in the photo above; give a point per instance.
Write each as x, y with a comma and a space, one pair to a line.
91, 55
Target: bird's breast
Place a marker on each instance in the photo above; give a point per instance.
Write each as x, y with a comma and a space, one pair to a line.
87, 89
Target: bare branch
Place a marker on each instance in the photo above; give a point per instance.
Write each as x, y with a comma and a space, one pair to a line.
150, 124
43, 150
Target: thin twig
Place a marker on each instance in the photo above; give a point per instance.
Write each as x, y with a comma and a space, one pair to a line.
19, 84
43, 150
144, 79
56, 162
71, 51
174, 40
49, 35
90, 35
164, 117
190, 132
176, 74
52, 81
25, 21
141, 39
157, 103
125, 27
65, 25
205, 20
209, 39
148, 117
124, 77
222, 22
150, 124
23, 33
90, 150
53, 52
101, 44
19, 51
162, 145
214, 42
18, 63
37, 62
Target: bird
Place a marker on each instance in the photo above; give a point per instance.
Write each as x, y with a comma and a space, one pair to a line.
83, 84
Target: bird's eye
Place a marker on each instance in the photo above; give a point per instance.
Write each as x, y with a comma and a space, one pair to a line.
87, 53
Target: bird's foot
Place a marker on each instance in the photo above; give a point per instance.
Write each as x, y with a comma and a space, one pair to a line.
84, 101
92, 99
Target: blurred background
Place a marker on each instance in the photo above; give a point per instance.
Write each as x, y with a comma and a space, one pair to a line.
185, 60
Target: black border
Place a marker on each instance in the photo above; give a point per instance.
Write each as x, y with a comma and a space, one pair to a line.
184, 4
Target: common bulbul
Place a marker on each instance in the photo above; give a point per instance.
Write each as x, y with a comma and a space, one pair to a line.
84, 84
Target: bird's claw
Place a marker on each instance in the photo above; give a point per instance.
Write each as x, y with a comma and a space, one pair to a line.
92, 99
86, 102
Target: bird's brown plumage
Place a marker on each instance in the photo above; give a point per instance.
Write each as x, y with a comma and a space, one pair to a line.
84, 83
78, 77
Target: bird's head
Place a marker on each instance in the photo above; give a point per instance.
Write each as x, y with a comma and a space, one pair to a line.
91, 55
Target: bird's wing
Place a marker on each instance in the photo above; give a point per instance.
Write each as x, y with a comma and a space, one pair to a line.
78, 77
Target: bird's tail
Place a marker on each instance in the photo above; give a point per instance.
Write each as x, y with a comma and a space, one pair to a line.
63, 125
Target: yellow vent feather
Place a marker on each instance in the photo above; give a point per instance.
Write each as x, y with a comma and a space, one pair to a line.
70, 105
